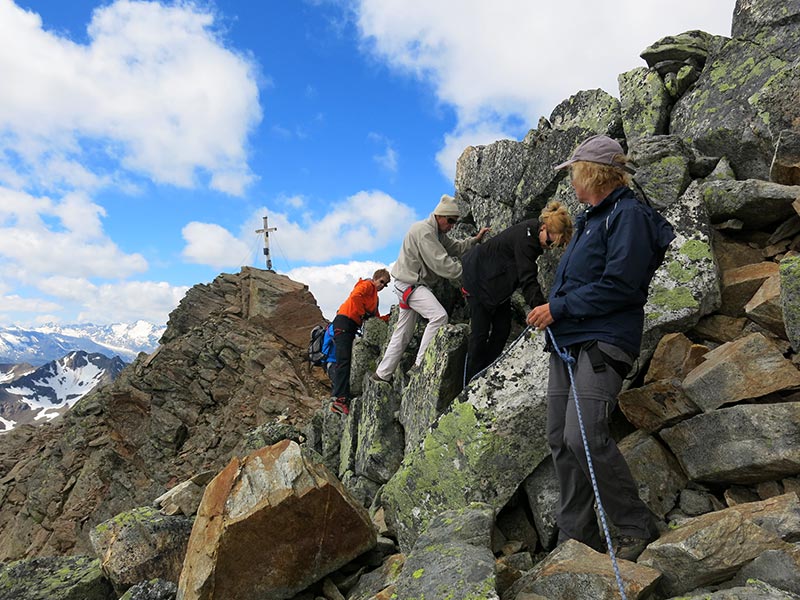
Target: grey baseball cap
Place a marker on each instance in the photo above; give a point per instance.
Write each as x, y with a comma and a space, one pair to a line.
599, 149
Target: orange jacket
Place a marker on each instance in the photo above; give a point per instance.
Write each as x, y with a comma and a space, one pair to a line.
361, 303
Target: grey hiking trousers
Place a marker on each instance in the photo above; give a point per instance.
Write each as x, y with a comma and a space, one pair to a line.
597, 395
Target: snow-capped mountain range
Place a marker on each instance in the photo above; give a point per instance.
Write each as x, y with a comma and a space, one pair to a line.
46, 343
29, 395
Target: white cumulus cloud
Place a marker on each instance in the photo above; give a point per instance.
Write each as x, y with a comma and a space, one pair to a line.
512, 61
154, 87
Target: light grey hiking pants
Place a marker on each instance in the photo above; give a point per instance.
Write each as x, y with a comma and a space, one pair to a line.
597, 395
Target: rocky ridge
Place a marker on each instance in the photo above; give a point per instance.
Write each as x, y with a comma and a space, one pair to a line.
458, 482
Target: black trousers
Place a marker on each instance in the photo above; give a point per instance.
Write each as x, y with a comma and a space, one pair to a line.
597, 394
344, 332
489, 333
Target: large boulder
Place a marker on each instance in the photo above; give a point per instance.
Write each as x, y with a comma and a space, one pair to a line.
713, 547
743, 444
754, 202
432, 387
750, 367
645, 103
453, 558
270, 525
686, 286
55, 578
141, 544
481, 450
773, 24
743, 95
662, 168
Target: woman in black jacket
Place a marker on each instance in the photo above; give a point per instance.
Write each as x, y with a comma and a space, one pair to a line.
493, 270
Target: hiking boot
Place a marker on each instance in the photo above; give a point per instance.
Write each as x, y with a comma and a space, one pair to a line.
413, 369
340, 406
627, 547
378, 378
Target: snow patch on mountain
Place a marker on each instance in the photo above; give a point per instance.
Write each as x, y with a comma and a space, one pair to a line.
48, 391
42, 344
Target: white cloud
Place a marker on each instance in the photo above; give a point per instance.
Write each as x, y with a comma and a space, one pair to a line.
154, 86
514, 60
364, 222
331, 285
213, 245
41, 236
118, 301
15, 303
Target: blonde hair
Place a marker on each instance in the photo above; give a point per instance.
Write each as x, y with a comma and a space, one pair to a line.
556, 219
597, 177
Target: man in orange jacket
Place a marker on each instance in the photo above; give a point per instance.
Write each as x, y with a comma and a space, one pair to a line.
361, 304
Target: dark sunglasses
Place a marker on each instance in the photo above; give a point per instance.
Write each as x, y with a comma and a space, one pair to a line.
452, 220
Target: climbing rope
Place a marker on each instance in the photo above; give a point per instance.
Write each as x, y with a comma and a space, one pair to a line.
570, 361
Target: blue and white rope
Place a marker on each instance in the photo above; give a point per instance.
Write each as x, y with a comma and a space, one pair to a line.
570, 361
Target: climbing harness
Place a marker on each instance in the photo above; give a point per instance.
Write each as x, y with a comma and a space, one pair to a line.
405, 295
570, 361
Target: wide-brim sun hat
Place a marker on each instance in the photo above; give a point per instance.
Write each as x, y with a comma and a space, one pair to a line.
599, 149
447, 207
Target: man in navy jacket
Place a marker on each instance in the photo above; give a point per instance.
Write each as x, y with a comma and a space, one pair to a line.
596, 312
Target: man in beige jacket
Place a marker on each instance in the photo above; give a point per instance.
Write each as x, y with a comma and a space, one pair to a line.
426, 254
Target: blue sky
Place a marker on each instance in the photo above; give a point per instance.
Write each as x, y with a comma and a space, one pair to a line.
142, 142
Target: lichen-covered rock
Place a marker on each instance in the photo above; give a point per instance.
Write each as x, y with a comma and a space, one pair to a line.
662, 168
141, 544
481, 450
644, 103
55, 578
752, 589
773, 24
742, 96
366, 352
686, 286
379, 449
790, 298
780, 568
373, 582
691, 46
452, 558
754, 202
590, 110
743, 444
506, 182
432, 387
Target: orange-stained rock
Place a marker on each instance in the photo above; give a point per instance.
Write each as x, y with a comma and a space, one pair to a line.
270, 525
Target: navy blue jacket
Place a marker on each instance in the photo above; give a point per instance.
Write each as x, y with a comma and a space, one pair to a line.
601, 283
